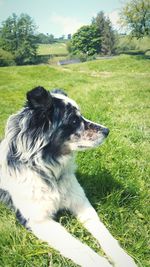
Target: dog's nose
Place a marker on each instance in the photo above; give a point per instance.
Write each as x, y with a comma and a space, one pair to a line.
105, 131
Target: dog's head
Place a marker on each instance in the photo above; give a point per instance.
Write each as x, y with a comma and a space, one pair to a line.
51, 124
59, 118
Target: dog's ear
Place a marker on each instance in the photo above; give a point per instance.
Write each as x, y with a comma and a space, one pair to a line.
39, 98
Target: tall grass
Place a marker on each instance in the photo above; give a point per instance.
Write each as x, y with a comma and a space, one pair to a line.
114, 92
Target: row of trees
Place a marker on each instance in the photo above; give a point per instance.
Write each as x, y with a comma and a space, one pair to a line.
134, 17
42, 38
19, 40
17, 36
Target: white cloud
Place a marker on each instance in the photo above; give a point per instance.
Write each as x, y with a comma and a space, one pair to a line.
66, 24
114, 18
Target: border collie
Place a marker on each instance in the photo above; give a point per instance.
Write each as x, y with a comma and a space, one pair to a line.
37, 175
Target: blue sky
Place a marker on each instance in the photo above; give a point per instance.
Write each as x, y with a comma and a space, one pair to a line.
60, 16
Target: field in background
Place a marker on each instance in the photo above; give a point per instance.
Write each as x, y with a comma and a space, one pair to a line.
52, 49
124, 42
53, 53
114, 92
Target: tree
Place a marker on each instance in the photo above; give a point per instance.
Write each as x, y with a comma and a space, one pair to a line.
86, 40
18, 37
97, 38
51, 38
99, 20
108, 39
69, 36
135, 15
106, 32
45, 38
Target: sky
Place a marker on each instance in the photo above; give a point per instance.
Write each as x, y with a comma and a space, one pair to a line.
61, 17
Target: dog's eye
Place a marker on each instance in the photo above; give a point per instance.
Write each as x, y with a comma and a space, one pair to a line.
75, 121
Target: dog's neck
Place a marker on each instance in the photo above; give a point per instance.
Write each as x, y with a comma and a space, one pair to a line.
54, 169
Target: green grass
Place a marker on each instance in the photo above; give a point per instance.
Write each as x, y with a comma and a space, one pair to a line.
52, 49
114, 92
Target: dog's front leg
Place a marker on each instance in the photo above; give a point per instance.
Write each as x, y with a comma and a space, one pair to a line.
57, 237
88, 216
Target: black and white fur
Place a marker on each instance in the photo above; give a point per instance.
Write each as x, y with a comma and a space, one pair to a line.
37, 175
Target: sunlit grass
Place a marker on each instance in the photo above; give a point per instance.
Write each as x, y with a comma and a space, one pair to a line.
52, 49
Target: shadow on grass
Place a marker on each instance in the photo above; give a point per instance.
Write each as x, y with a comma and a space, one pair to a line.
143, 57
98, 187
139, 54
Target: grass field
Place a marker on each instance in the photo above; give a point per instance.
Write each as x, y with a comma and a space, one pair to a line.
52, 49
114, 92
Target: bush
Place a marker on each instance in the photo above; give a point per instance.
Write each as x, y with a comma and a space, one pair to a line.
79, 55
90, 58
6, 58
82, 57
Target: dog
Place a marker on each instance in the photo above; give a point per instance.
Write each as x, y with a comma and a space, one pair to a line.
37, 175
